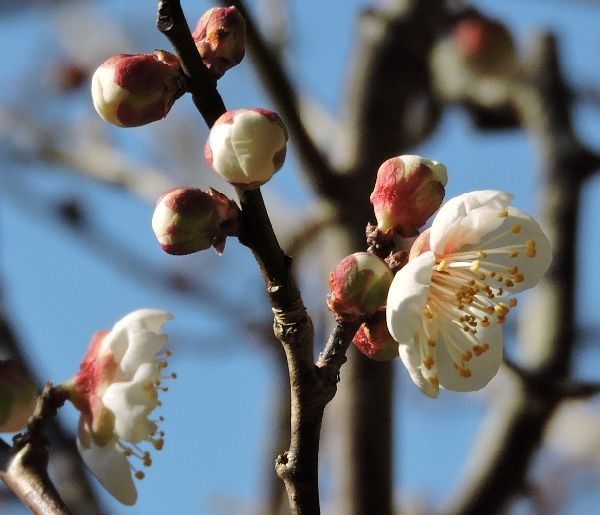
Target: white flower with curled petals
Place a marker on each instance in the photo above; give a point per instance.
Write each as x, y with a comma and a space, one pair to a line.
116, 389
446, 307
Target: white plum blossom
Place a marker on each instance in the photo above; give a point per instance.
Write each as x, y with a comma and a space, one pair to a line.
446, 307
116, 389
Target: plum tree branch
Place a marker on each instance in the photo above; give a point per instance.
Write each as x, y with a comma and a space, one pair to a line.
23, 467
312, 386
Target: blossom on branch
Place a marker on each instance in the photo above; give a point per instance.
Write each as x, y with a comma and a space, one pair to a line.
133, 90
408, 190
116, 389
247, 146
220, 38
446, 307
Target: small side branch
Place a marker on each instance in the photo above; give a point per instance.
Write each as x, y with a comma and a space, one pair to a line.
23, 467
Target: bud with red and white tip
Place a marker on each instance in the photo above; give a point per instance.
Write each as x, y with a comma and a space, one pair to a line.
408, 190
486, 44
220, 37
132, 90
187, 220
18, 396
247, 146
359, 285
374, 340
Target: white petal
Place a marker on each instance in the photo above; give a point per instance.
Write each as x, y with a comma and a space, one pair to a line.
467, 219
411, 358
143, 345
151, 319
132, 402
483, 368
111, 468
407, 297
224, 159
532, 268
135, 339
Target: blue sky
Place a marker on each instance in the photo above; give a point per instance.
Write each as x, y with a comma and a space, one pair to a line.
61, 290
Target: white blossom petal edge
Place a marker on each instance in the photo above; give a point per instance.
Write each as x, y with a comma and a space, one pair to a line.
446, 307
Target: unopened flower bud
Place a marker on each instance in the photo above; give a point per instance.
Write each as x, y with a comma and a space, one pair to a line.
374, 340
486, 44
188, 220
247, 146
220, 37
408, 190
132, 90
359, 285
18, 396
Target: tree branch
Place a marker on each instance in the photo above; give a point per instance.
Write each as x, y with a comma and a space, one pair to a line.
24, 466
310, 389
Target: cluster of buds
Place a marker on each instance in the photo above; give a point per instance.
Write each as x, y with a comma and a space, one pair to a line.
247, 146
187, 220
408, 190
359, 286
133, 90
18, 396
220, 37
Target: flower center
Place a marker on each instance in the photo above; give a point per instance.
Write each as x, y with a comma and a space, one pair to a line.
469, 291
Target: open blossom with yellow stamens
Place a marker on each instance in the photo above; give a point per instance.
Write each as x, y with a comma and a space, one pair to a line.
116, 389
446, 307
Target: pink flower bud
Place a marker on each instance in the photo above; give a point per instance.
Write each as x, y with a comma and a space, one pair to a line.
247, 146
408, 190
132, 90
220, 37
359, 285
486, 44
188, 220
18, 396
374, 340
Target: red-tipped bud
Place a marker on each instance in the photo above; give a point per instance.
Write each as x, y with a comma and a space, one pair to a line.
187, 220
220, 37
374, 340
18, 396
359, 285
247, 146
408, 190
133, 90
486, 44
